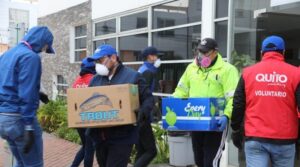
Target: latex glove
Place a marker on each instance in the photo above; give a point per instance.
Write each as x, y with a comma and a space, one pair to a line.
237, 138
222, 123
28, 138
44, 98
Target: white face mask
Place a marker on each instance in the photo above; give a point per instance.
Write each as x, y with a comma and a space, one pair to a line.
102, 69
157, 63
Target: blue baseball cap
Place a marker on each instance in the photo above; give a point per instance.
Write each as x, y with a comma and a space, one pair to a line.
86, 64
149, 51
101, 51
273, 43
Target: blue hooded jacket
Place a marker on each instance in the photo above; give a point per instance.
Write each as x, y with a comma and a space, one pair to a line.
21, 74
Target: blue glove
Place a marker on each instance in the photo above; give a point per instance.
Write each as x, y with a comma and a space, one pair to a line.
222, 123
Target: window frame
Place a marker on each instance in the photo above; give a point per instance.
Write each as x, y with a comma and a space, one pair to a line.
149, 29
56, 84
73, 39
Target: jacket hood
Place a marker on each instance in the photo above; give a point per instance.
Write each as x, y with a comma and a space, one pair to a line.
38, 37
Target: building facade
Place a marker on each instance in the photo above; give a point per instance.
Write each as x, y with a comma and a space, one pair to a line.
174, 27
72, 29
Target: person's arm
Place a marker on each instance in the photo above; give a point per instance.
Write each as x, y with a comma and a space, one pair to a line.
29, 75
148, 76
239, 106
145, 97
238, 113
229, 84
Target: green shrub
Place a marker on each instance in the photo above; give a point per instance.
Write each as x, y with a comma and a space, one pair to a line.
52, 115
161, 144
53, 119
241, 61
68, 133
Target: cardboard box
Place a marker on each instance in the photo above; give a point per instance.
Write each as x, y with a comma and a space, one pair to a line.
192, 114
102, 106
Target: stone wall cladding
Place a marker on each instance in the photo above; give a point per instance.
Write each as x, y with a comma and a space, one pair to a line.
59, 64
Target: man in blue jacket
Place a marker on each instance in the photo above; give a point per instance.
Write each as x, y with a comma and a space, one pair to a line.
114, 144
19, 96
146, 148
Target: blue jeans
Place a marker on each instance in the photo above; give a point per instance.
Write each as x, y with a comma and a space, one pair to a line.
12, 130
259, 154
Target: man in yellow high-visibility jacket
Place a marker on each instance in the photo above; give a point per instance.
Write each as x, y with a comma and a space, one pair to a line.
209, 76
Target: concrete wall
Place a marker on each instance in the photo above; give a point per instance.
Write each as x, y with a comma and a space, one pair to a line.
60, 24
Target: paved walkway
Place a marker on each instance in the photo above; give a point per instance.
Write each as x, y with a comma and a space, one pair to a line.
57, 152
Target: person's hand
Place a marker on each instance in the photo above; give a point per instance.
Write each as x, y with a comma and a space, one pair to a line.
44, 98
222, 123
237, 138
28, 138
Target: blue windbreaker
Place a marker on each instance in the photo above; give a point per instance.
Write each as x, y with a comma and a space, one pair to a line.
21, 74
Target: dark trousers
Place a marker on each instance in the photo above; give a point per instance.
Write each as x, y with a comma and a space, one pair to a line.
86, 151
208, 148
146, 148
113, 155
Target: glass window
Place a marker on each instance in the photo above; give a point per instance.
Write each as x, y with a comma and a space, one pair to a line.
79, 55
80, 31
80, 43
177, 13
105, 27
168, 75
134, 21
111, 41
221, 8
180, 45
61, 80
61, 87
221, 37
131, 47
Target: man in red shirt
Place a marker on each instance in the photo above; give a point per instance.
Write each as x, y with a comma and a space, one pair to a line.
86, 152
266, 100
